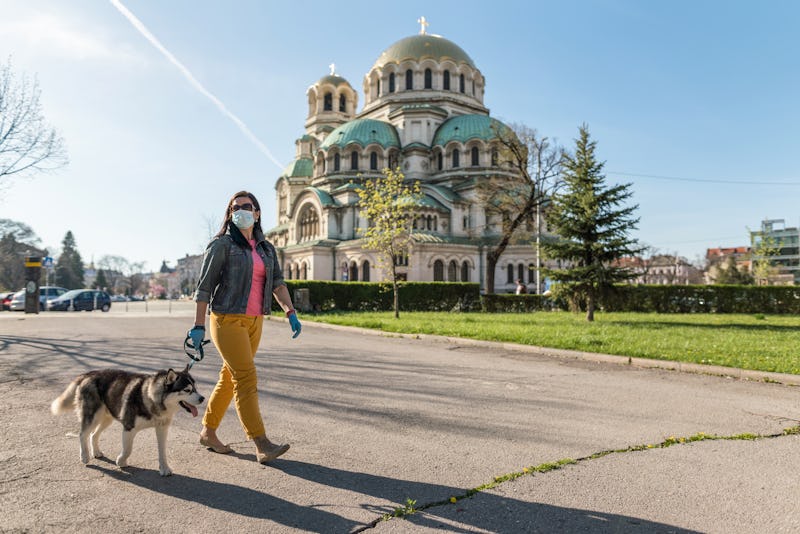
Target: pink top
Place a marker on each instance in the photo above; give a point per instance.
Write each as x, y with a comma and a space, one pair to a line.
255, 301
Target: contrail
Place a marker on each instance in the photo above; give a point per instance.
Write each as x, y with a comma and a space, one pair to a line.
193, 81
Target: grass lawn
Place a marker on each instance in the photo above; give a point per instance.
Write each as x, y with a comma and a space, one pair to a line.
762, 343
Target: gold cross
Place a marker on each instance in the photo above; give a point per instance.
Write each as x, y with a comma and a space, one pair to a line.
423, 24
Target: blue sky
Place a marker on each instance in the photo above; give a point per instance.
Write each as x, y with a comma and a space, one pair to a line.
693, 102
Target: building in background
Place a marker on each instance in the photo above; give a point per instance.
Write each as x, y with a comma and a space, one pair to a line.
424, 113
718, 258
662, 269
787, 240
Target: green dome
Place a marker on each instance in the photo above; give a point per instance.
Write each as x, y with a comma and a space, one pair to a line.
333, 79
363, 132
426, 46
465, 127
299, 167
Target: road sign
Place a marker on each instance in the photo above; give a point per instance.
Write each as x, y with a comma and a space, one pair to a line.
47, 262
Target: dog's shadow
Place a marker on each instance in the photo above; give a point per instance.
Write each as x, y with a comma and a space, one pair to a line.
229, 498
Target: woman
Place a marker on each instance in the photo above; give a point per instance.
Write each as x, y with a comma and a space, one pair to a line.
240, 274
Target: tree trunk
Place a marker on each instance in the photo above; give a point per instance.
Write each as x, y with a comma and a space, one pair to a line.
590, 307
396, 289
491, 263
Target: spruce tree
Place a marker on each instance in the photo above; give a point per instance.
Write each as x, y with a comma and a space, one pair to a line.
69, 269
592, 226
100, 281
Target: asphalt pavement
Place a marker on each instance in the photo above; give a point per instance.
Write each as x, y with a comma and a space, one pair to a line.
470, 437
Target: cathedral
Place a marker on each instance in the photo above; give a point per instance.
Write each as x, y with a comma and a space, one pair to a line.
424, 113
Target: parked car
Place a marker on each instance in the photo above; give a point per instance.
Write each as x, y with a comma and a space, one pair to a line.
81, 299
17, 302
5, 300
45, 293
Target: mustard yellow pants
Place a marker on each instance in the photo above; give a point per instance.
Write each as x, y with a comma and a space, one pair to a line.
236, 338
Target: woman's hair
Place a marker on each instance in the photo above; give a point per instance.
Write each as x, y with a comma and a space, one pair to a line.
236, 234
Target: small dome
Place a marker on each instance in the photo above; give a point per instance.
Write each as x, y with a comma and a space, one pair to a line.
363, 132
300, 167
425, 46
332, 79
462, 128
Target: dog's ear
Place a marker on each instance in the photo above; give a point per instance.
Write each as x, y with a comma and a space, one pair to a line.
172, 376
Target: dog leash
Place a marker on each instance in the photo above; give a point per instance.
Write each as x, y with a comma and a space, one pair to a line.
199, 353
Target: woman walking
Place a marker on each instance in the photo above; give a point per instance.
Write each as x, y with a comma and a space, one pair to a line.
240, 274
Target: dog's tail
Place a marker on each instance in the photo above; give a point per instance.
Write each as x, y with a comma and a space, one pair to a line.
66, 401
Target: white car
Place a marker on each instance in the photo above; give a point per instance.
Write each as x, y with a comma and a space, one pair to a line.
45, 293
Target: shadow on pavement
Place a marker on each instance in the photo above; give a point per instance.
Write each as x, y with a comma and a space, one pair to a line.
500, 514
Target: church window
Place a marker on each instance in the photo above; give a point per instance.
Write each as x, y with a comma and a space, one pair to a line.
440, 162
305, 271
288, 271
438, 271
391, 82
428, 222
475, 157
409, 80
428, 79
354, 160
494, 157
456, 158
452, 269
531, 273
309, 224
521, 271
353, 272
461, 83
328, 102
365, 271
342, 104
373, 161
392, 160
336, 162
510, 277
447, 80
378, 88
465, 272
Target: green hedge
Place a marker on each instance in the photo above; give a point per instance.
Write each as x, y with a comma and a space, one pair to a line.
704, 299
499, 303
374, 296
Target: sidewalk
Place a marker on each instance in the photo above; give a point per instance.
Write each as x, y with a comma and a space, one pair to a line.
377, 422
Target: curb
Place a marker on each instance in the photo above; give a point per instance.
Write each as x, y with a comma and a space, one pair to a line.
644, 363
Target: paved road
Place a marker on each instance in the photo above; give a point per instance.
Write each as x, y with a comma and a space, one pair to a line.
375, 421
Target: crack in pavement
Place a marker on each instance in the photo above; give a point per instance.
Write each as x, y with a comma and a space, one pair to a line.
410, 507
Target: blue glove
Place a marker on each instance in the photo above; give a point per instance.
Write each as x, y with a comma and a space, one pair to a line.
294, 322
197, 334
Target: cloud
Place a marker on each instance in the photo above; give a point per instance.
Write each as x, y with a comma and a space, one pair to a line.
47, 34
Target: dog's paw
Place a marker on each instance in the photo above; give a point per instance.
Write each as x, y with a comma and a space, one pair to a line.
98, 453
165, 471
84, 458
122, 462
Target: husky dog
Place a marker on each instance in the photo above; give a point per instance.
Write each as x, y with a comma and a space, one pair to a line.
138, 401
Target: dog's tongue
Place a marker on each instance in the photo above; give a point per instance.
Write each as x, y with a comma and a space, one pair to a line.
191, 407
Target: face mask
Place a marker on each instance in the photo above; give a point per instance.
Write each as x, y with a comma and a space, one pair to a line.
243, 219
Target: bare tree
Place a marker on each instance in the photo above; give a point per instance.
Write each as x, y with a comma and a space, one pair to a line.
517, 196
27, 142
122, 275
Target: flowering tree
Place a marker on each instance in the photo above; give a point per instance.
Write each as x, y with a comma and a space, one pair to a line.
387, 203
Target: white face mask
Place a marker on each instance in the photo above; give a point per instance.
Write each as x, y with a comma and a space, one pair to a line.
243, 219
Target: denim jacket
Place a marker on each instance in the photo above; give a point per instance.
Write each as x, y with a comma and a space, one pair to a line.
227, 273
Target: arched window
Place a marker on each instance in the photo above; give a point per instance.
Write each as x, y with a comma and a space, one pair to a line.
328, 102
465, 272
428, 79
521, 271
531, 273
392, 160
409, 80
438, 271
365, 271
452, 269
288, 271
456, 158
447, 80
494, 157
309, 223
378, 88
345, 272
440, 161
429, 221
354, 160
461, 83
305, 271
510, 278
373, 161
353, 272
337, 162
323, 165
475, 157
342, 103
391, 82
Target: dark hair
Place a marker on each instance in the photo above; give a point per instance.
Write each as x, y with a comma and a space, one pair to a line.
236, 234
